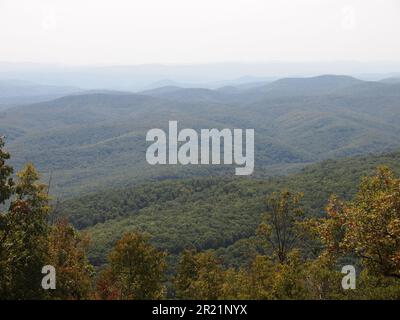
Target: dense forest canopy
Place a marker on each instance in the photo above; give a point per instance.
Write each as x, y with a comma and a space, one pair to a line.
90, 140
291, 256
319, 197
210, 213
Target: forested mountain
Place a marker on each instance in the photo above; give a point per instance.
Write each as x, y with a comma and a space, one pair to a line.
91, 148
391, 80
305, 86
94, 141
218, 213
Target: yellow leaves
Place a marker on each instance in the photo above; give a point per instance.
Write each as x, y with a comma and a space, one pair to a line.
279, 228
28, 174
67, 253
136, 268
200, 276
331, 230
393, 229
369, 226
264, 230
6, 181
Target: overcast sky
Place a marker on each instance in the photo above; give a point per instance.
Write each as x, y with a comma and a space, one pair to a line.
198, 31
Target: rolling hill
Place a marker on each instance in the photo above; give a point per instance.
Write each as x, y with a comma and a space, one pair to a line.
210, 213
96, 140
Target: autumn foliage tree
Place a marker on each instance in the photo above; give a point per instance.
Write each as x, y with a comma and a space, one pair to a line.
28, 242
25, 237
67, 253
6, 188
6, 181
369, 226
135, 270
199, 276
279, 226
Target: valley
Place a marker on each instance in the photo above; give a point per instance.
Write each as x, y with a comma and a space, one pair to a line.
91, 141
315, 135
210, 213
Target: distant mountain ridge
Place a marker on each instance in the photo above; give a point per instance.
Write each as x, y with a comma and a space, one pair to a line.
14, 92
391, 80
142, 77
91, 139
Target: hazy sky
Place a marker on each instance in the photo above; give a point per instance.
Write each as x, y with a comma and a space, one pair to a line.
198, 31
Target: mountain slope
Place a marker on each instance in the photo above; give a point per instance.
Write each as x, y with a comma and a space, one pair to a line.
310, 86
209, 213
89, 141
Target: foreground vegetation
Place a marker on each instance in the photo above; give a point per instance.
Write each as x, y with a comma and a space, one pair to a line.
293, 255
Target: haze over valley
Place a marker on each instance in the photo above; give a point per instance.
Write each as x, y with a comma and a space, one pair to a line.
89, 140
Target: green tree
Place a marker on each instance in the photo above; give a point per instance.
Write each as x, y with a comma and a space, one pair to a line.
28, 242
135, 271
25, 238
199, 276
369, 226
67, 253
279, 228
6, 181
6, 184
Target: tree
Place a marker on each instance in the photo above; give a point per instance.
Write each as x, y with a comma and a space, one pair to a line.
199, 276
279, 226
260, 279
6, 184
135, 271
322, 279
106, 288
369, 226
25, 238
67, 253
6, 181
